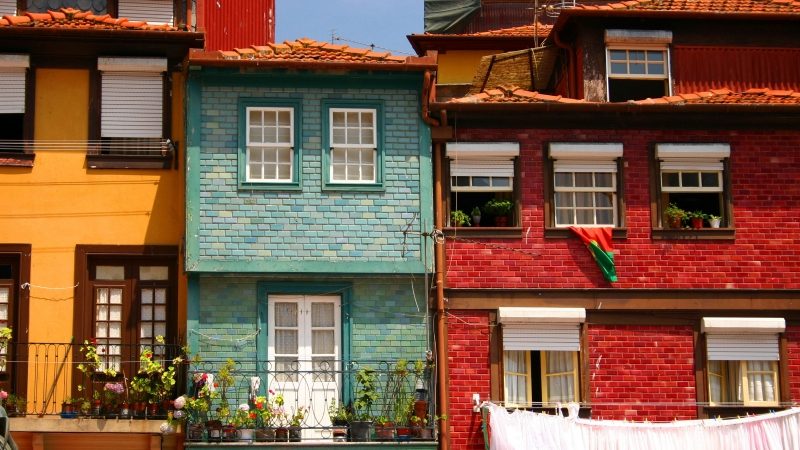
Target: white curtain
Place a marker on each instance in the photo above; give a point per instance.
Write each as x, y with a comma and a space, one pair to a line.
527, 430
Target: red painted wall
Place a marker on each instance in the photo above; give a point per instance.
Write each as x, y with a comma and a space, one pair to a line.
642, 372
765, 170
468, 373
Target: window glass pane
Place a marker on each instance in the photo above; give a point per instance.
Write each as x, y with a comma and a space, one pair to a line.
481, 181
585, 216
655, 56
352, 119
284, 172
147, 296
366, 136
460, 181
605, 217
115, 296
338, 137
563, 179
101, 312
285, 314
154, 273
353, 135
115, 313
501, 181
564, 217
147, 313
110, 273
583, 179
284, 135
322, 342
286, 342
564, 199
338, 119
584, 199
636, 55
690, 179
322, 315
618, 55
160, 313
115, 330
604, 179
670, 179
619, 68
161, 296
710, 179
270, 135
516, 377
285, 119
160, 329
636, 68
603, 200
655, 69
339, 156
256, 134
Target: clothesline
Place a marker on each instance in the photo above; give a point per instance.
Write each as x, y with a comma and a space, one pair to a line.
528, 430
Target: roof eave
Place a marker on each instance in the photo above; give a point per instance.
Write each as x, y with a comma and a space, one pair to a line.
187, 38
421, 43
205, 61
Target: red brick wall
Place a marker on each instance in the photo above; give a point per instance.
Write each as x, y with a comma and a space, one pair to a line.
468, 372
765, 175
793, 338
642, 372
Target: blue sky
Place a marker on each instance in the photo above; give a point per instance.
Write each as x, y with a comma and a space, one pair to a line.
358, 23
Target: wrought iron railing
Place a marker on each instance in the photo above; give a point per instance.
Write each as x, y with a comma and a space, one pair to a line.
329, 395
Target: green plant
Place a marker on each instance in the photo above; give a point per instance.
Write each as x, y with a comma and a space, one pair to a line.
674, 211
339, 413
243, 417
459, 218
297, 416
398, 400
713, 217
264, 409
93, 363
225, 379
498, 207
366, 394
475, 211
697, 215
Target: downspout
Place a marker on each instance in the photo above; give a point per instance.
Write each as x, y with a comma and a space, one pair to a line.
572, 77
429, 95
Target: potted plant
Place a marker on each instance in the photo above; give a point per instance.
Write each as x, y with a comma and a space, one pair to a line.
15, 405
697, 218
113, 396
366, 395
459, 218
245, 422
384, 428
714, 221
340, 417
674, 215
264, 410
476, 216
500, 209
295, 423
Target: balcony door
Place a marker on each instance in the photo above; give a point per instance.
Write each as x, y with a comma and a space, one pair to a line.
304, 353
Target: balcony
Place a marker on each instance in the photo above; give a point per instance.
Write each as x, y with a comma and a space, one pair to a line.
108, 153
125, 392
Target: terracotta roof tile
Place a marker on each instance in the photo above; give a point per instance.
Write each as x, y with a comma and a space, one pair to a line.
725, 96
309, 50
716, 96
534, 30
716, 6
70, 18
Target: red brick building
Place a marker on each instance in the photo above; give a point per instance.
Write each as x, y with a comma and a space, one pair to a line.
652, 109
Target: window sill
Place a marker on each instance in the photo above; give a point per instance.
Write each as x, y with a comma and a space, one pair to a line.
378, 187
256, 186
129, 162
694, 234
485, 232
564, 233
730, 411
15, 159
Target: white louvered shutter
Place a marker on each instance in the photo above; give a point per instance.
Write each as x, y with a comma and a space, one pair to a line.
8, 7
742, 347
132, 104
482, 168
12, 85
152, 11
542, 336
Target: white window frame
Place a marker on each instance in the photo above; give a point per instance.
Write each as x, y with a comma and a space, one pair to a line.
576, 158
275, 147
664, 50
492, 160
353, 152
692, 158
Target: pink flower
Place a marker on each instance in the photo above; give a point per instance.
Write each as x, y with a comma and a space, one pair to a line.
3, 394
180, 402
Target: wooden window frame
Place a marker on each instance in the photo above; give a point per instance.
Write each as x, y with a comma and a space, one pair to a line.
26, 157
15, 378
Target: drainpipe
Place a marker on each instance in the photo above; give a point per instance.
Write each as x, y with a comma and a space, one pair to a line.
572, 77
429, 95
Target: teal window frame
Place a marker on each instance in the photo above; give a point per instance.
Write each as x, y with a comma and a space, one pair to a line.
297, 113
380, 142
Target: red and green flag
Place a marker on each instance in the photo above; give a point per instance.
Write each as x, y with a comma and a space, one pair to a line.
598, 240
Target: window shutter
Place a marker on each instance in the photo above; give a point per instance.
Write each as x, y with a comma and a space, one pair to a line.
577, 166
547, 337
742, 338
153, 11
12, 85
8, 7
548, 329
482, 168
132, 104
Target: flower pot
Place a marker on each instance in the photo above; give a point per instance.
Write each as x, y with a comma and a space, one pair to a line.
403, 434
715, 223
424, 433
476, 221
384, 432
68, 411
501, 221
360, 430
139, 410
281, 434
229, 433
420, 408
194, 432
295, 434
214, 428
152, 410
339, 433
697, 222
97, 408
265, 435
124, 410
247, 434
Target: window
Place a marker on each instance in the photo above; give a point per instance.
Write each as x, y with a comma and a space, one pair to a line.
270, 145
128, 300
480, 173
693, 178
354, 148
151, 11
585, 184
540, 355
133, 112
13, 79
742, 366
304, 350
637, 64
15, 266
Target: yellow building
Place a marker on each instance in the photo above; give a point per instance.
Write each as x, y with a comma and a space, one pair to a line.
92, 188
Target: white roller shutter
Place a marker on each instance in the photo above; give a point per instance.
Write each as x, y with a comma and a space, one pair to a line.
12, 83
585, 151
586, 166
742, 338
482, 168
482, 150
548, 329
132, 104
8, 7
152, 11
547, 337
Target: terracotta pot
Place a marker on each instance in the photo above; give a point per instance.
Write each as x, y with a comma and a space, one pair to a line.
281, 434
697, 222
384, 432
265, 435
501, 221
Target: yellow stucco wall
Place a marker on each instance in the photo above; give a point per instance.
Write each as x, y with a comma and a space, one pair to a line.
459, 66
59, 203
